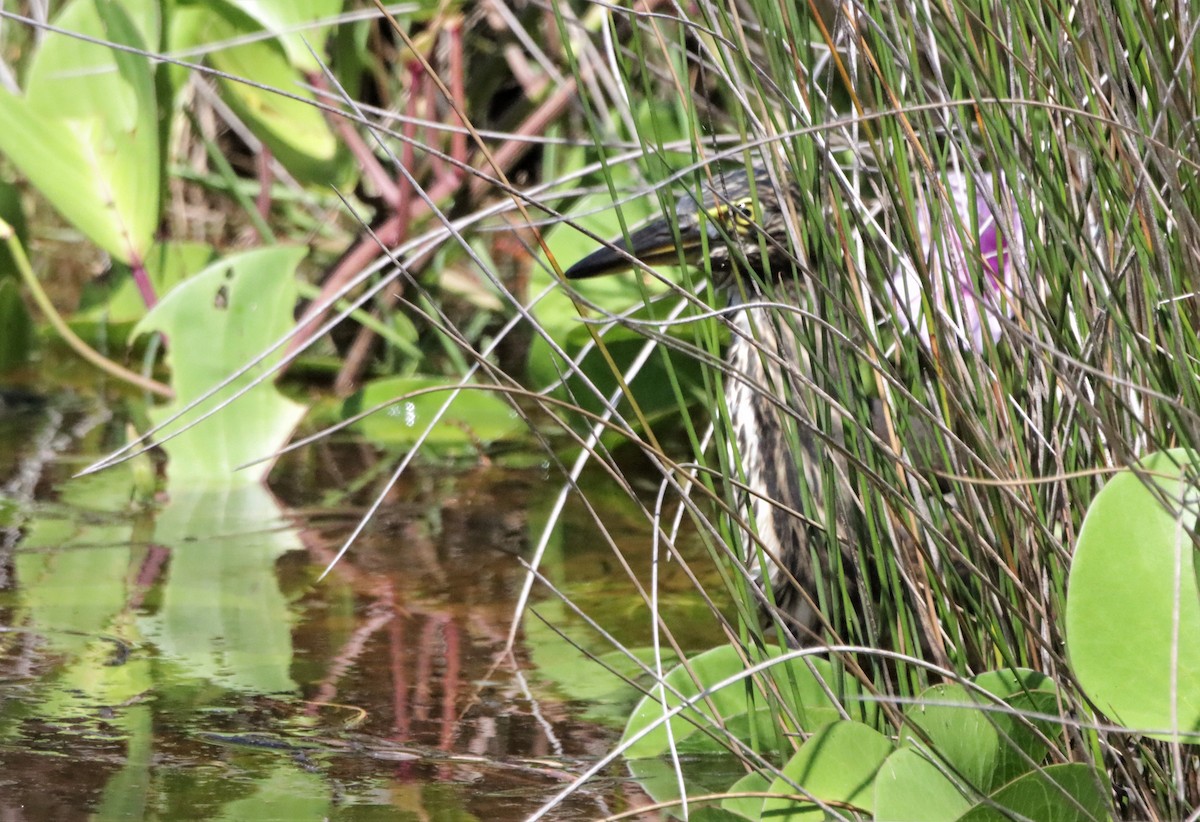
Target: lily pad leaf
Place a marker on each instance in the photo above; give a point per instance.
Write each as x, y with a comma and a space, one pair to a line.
412, 404
983, 742
837, 764
295, 23
1133, 604
1059, 793
741, 709
911, 788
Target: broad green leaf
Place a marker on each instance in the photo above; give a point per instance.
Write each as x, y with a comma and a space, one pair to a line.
707, 775
474, 415
972, 736
836, 764
1133, 604
1059, 793
294, 22
911, 788
77, 80
748, 806
295, 130
86, 133
741, 709
215, 323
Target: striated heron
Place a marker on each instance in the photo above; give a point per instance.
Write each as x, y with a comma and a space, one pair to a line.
737, 232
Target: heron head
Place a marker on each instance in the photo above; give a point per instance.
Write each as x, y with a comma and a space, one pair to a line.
738, 226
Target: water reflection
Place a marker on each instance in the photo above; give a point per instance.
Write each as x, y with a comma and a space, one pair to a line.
183, 661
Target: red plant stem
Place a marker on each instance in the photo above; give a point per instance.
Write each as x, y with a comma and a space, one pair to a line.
368, 163
263, 201
141, 278
507, 155
458, 139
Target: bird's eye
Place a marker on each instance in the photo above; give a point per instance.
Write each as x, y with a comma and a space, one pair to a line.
736, 215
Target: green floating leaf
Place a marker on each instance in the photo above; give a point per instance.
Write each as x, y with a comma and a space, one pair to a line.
1059, 793
837, 764
740, 709
1133, 604
749, 807
702, 776
910, 788
972, 737
473, 417
86, 133
216, 323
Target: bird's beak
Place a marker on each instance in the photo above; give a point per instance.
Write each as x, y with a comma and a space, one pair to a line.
653, 244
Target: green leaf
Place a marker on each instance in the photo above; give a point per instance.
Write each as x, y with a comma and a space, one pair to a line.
215, 323
293, 23
748, 806
702, 776
911, 788
474, 416
1133, 604
295, 130
1059, 793
741, 709
836, 764
86, 133
972, 736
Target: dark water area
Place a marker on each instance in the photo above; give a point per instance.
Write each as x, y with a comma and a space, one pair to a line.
183, 658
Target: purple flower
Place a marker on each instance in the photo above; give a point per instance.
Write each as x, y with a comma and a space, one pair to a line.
955, 295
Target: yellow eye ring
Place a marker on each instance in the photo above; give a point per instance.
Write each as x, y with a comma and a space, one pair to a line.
736, 215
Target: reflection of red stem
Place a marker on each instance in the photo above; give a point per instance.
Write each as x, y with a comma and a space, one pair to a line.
378, 615
450, 684
400, 721
424, 672
148, 573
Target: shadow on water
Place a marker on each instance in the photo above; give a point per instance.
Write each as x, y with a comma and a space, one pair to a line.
183, 660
